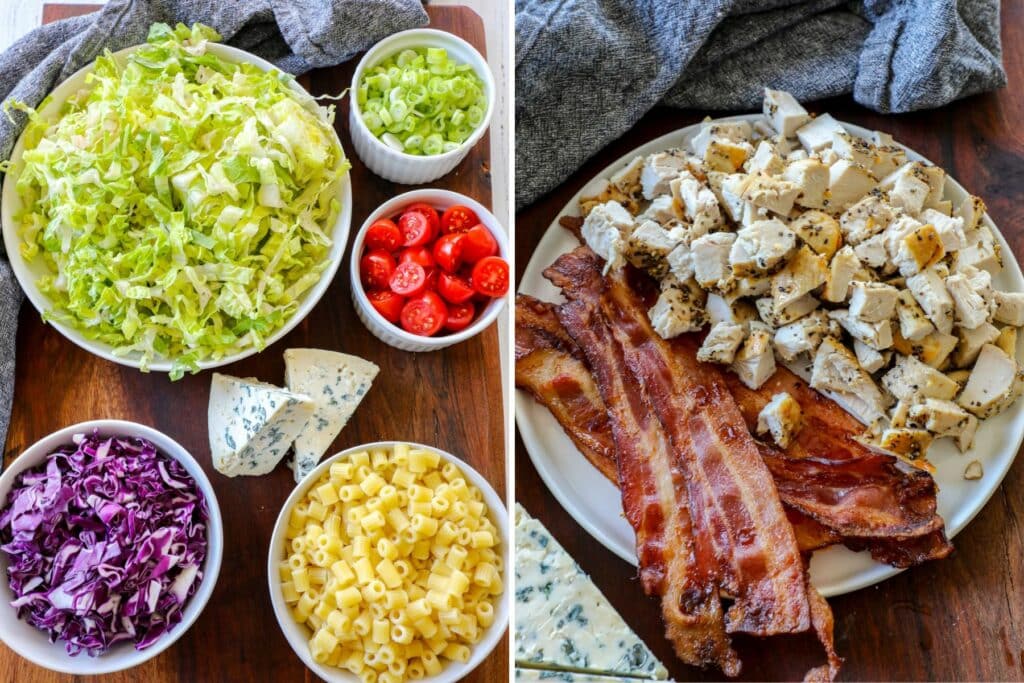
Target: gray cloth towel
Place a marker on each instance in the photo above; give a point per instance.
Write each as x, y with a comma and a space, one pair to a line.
587, 70
296, 35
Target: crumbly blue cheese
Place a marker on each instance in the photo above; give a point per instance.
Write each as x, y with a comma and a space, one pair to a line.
253, 424
562, 620
337, 383
529, 675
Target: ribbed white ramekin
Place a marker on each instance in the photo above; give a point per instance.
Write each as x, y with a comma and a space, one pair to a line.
397, 166
391, 334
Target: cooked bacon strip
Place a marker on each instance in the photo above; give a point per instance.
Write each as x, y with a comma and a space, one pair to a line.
550, 366
654, 499
737, 515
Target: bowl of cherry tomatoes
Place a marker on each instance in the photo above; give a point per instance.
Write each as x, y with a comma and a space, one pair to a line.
429, 269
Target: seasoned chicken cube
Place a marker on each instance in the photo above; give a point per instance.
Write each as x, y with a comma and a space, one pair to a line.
936, 179
887, 159
819, 231
804, 335
877, 335
772, 194
856, 149
737, 311
755, 362
725, 131
911, 379
985, 252
817, 133
649, 246
873, 301
971, 210
810, 176
607, 193
868, 217
929, 291
627, 179
659, 171
995, 383
726, 156
761, 247
661, 210
721, 343
837, 373
732, 194
908, 187
870, 359
786, 114
872, 252
776, 317
847, 183
911, 444
942, 418
711, 260
803, 273
914, 324
950, 229
970, 310
933, 349
680, 262
1007, 341
781, 418
605, 230
752, 286
981, 282
679, 309
765, 160
919, 250
697, 203
841, 270
1009, 307
971, 341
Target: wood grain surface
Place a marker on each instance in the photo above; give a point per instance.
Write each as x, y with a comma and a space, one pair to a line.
958, 619
449, 399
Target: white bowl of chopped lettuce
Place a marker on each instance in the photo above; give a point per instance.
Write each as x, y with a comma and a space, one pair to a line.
178, 205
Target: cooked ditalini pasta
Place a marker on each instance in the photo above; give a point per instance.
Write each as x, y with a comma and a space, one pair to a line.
392, 563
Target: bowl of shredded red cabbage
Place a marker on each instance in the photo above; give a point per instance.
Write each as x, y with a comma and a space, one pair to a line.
105, 541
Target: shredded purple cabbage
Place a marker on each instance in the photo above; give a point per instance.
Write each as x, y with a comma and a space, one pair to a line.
105, 542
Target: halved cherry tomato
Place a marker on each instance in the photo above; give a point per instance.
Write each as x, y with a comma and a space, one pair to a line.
458, 219
416, 229
409, 279
376, 268
429, 212
490, 276
448, 251
424, 315
384, 234
454, 289
479, 243
420, 255
387, 303
459, 316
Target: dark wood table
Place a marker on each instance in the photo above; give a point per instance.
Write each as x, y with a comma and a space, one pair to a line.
957, 619
450, 399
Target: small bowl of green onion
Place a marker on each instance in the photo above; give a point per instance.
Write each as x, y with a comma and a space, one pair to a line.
420, 100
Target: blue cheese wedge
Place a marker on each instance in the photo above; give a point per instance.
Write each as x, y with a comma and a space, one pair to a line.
530, 675
337, 383
253, 424
563, 622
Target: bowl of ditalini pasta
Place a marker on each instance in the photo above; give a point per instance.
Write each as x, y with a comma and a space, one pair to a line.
387, 564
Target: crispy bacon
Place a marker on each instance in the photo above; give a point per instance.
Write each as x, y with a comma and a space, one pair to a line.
654, 498
738, 520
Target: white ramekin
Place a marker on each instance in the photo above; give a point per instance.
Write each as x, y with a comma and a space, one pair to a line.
33, 644
397, 166
392, 334
298, 635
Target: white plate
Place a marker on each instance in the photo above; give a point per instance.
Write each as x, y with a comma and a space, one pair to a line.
29, 273
594, 502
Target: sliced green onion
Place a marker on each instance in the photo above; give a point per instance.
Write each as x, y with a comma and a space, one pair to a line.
422, 100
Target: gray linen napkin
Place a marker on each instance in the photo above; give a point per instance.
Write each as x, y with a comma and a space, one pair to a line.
296, 35
588, 70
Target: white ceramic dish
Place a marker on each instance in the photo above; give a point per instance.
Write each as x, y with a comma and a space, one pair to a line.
29, 273
594, 502
398, 166
391, 334
33, 644
298, 635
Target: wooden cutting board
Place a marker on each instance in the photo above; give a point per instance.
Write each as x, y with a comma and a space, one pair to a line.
450, 399
961, 618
